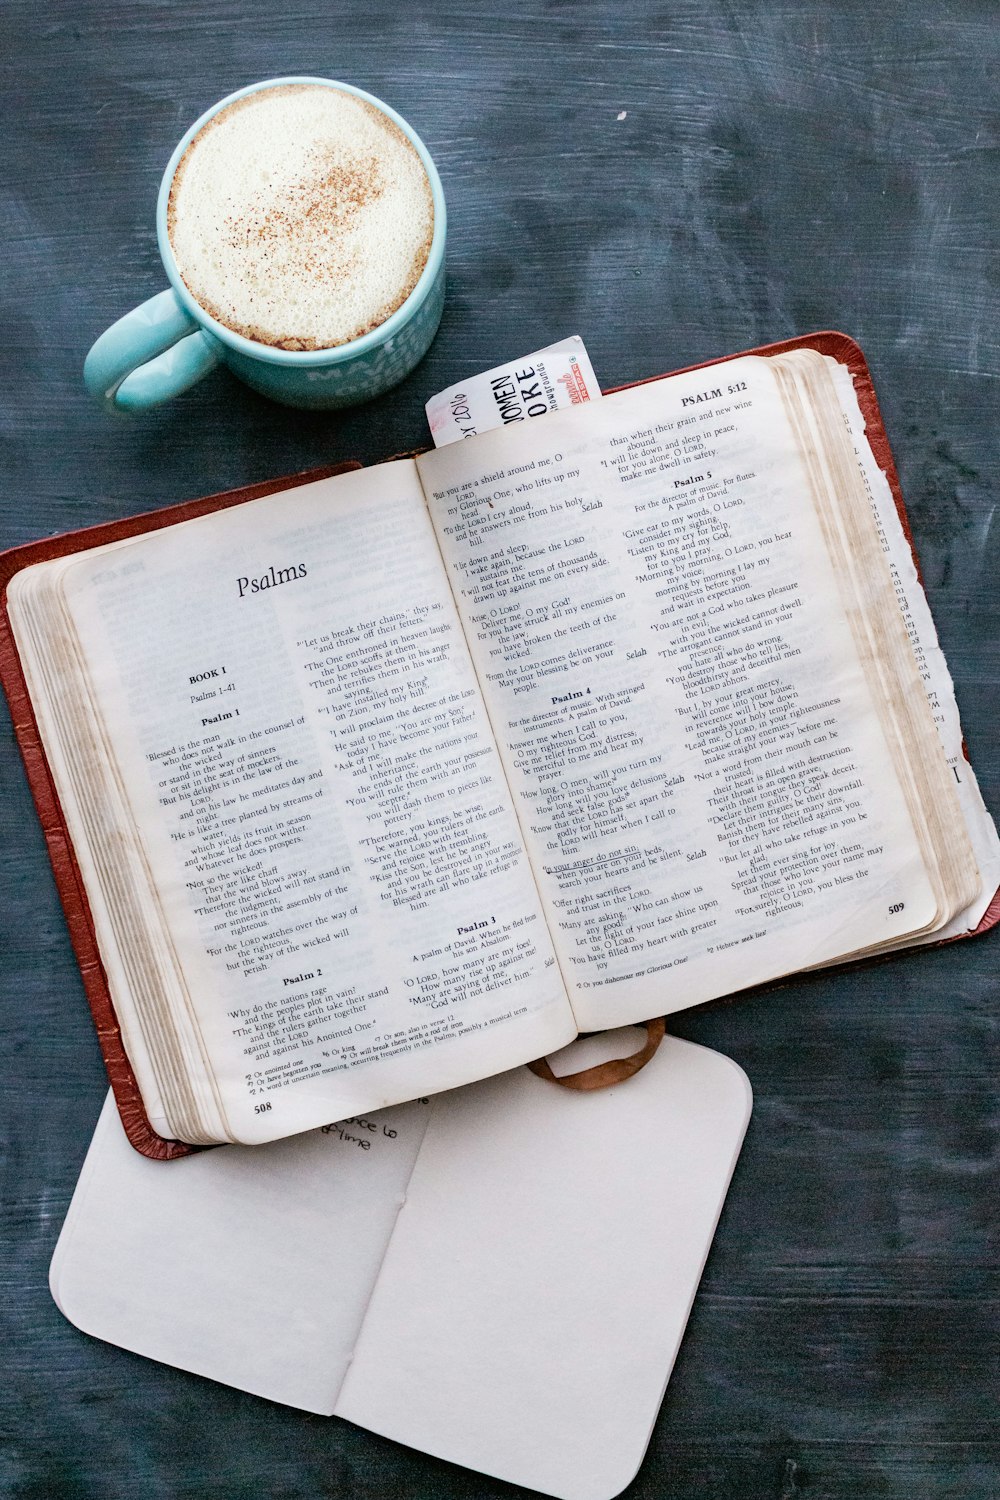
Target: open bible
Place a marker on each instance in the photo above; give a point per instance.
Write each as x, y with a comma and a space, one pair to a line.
395, 780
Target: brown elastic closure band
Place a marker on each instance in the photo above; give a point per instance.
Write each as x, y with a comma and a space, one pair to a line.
615, 1070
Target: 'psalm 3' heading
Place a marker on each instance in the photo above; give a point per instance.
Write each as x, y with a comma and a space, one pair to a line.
270, 579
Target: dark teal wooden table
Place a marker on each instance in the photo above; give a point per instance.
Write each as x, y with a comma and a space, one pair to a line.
673, 181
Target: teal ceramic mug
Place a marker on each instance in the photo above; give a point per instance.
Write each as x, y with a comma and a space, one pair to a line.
168, 343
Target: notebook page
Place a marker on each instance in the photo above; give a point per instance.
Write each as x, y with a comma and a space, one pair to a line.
540, 1275
251, 1265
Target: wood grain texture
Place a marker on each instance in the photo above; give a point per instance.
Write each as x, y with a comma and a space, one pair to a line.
778, 168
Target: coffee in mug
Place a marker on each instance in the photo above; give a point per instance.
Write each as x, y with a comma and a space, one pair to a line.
300, 217
301, 223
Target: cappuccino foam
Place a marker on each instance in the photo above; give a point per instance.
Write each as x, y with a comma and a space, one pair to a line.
300, 216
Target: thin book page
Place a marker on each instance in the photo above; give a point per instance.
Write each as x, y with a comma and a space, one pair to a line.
880, 635
929, 657
138, 959
318, 794
703, 783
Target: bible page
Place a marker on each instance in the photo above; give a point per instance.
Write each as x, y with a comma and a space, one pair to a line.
933, 668
321, 803
702, 779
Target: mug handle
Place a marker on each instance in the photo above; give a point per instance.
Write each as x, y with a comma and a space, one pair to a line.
154, 352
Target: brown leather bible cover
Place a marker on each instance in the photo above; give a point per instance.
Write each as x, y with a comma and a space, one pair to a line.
64, 865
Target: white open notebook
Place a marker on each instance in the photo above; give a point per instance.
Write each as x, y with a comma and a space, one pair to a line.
499, 1276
